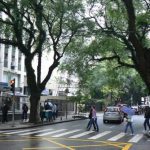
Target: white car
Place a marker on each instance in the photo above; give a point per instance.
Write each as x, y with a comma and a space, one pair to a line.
112, 113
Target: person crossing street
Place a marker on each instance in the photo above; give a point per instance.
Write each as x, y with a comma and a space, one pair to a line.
93, 120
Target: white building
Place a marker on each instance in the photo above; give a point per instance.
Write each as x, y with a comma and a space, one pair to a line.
12, 66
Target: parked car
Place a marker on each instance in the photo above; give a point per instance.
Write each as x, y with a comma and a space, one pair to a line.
112, 113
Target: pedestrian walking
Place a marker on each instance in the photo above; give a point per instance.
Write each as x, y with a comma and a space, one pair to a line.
24, 112
90, 123
147, 118
93, 119
54, 109
5, 109
129, 121
41, 112
48, 112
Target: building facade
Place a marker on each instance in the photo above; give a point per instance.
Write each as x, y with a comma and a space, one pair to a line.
12, 66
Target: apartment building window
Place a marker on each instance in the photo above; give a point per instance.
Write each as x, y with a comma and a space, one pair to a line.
13, 58
19, 61
6, 56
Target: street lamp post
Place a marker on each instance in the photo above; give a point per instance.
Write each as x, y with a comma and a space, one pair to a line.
66, 92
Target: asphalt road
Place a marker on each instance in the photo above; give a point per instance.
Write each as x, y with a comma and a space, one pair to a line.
73, 136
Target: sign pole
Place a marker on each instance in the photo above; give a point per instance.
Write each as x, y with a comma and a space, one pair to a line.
13, 110
12, 84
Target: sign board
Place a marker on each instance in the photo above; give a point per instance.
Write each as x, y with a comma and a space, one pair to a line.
4, 86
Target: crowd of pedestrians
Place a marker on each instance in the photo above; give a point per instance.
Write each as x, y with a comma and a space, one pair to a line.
48, 111
128, 119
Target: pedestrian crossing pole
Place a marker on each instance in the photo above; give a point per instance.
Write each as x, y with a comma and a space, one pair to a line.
66, 92
12, 84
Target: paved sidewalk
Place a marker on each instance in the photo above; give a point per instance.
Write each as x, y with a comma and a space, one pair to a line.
18, 124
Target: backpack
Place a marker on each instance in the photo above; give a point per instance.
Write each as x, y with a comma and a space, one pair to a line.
25, 108
129, 119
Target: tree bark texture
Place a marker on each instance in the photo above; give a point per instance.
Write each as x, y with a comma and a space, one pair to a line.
34, 116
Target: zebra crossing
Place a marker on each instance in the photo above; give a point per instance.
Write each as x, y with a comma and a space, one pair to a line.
74, 134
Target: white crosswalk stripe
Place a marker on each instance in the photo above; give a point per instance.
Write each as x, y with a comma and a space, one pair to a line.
66, 133
136, 138
20, 131
99, 135
32, 132
3, 131
81, 134
117, 137
52, 132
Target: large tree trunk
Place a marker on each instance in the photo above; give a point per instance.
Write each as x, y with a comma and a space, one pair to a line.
34, 108
141, 53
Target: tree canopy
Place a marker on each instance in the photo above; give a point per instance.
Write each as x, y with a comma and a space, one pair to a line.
37, 26
90, 31
119, 35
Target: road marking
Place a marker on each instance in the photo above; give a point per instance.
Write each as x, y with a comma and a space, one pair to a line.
59, 144
32, 132
117, 137
41, 148
136, 138
81, 134
95, 143
43, 134
3, 131
66, 133
127, 147
100, 135
20, 131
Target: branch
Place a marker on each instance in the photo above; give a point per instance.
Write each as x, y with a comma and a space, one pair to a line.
60, 27
51, 68
5, 22
8, 42
147, 4
7, 5
131, 25
115, 57
50, 24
